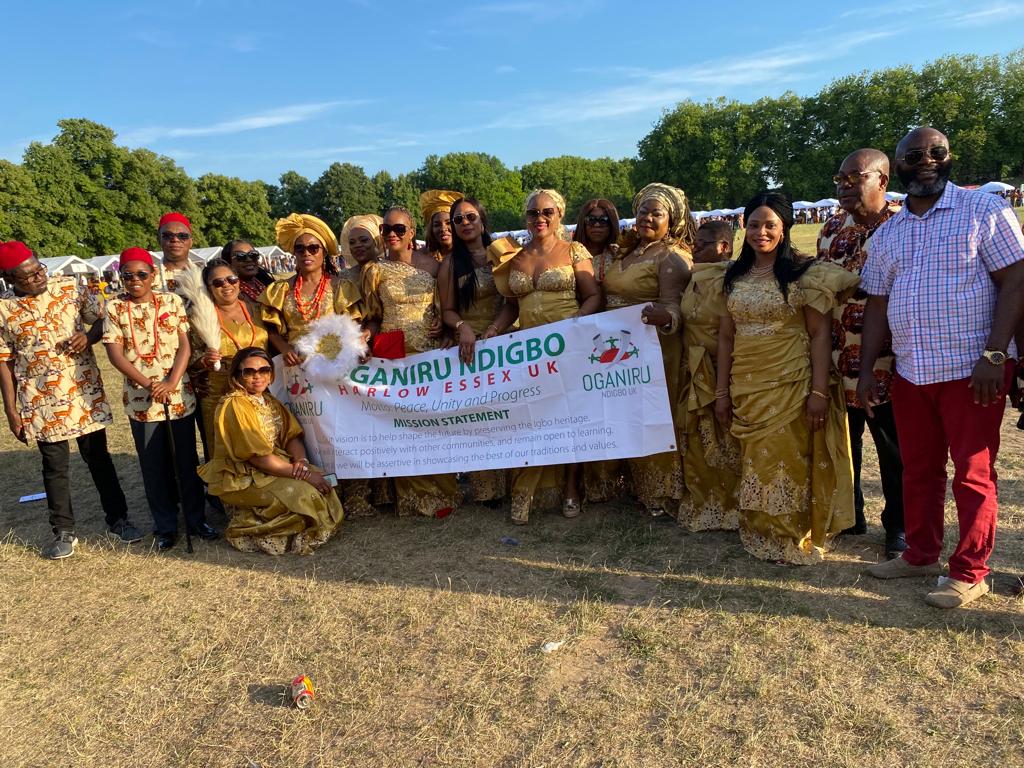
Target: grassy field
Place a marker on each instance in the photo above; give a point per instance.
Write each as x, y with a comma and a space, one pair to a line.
423, 639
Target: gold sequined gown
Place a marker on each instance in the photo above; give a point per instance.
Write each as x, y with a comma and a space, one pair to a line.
796, 487
487, 484
280, 314
271, 514
658, 277
402, 297
711, 454
550, 299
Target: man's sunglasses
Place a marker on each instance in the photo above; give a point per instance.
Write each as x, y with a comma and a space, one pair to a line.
598, 220
937, 153
312, 249
263, 370
129, 275
398, 229
547, 213
469, 218
246, 256
220, 282
853, 179
182, 237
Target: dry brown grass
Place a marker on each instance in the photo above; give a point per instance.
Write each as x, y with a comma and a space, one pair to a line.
422, 638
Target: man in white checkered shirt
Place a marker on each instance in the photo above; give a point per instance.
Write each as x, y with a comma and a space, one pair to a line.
946, 275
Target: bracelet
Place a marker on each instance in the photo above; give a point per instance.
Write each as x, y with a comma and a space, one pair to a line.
721, 395
459, 325
822, 395
492, 325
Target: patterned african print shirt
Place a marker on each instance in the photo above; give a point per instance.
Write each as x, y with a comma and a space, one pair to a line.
148, 334
936, 270
59, 392
844, 242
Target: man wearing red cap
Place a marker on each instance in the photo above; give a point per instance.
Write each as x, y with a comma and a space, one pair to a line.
52, 390
175, 232
146, 336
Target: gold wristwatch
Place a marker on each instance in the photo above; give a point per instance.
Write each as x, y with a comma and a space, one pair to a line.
995, 357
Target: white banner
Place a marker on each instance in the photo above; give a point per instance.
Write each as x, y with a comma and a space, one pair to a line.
584, 389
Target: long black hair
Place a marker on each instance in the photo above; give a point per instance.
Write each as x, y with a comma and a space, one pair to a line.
462, 259
607, 207
263, 275
789, 263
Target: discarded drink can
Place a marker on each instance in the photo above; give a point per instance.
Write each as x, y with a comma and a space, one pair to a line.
302, 692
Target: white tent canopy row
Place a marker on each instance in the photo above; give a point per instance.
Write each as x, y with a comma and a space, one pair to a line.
199, 256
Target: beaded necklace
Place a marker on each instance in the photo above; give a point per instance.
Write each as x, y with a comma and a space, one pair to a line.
310, 310
248, 319
251, 292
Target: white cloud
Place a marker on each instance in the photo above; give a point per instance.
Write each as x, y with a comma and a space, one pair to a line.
272, 118
993, 14
504, 69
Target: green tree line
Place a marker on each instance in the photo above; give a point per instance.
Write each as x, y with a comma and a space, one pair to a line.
84, 194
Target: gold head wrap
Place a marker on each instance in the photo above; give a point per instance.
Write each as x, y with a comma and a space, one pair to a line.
291, 227
674, 201
434, 200
371, 222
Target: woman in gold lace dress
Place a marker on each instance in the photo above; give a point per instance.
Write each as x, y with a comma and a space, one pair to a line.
546, 281
239, 329
316, 290
776, 389
280, 502
400, 298
651, 268
711, 455
470, 302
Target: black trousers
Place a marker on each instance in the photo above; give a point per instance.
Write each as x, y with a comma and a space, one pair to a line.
158, 476
890, 466
56, 479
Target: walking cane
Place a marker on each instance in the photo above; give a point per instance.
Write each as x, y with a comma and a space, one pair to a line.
177, 478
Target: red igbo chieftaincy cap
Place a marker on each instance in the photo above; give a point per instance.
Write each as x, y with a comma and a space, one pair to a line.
136, 254
13, 254
181, 218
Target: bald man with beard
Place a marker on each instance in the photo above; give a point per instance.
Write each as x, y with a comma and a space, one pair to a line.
861, 183
946, 275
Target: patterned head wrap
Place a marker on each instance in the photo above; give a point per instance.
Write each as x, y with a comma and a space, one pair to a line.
371, 222
780, 202
672, 200
434, 200
291, 227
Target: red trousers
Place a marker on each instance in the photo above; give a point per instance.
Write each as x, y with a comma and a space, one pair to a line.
935, 422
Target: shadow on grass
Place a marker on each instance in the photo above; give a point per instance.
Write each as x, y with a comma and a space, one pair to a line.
611, 554
271, 695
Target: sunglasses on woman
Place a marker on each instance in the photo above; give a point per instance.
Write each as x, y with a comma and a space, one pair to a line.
220, 282
547, 213
598, 220
312, 249
937, 153
263, 370
129, 275
469, 218
398, 229
179, 236
246, 256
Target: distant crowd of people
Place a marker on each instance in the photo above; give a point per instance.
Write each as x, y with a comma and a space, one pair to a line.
776, 362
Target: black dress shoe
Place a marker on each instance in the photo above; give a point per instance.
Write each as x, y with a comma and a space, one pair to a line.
858, 529
895, 544
164, 542
206, 532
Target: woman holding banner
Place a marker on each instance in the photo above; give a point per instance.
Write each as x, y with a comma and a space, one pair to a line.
651, 267
776, 391
470, 301
400, 299
546, 281
280, 502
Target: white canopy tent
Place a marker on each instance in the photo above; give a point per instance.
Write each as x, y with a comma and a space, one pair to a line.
69, 265
103, 263
995, 187
890, 196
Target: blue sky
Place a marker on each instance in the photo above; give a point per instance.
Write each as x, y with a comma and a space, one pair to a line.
253, 89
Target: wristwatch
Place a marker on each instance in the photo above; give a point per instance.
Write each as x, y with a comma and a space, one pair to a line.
995, 357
